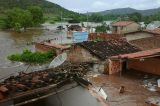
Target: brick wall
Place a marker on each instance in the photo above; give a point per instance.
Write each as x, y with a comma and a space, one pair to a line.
151, 65
114, 66
104, 36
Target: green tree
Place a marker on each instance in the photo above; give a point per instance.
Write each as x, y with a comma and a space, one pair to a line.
18, 18
96, 18
37, 15
102, 28
137, 17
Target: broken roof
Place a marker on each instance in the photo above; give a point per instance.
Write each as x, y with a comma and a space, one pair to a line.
140, 54
155, 31
74, 28
147, 43
105, 49
122, 23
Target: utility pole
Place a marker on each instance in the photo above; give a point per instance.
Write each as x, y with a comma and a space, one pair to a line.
87, 22
61, 26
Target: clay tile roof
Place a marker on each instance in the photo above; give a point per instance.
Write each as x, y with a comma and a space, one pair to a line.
155, 31
140, 54
3, 88
122, 23
105, 49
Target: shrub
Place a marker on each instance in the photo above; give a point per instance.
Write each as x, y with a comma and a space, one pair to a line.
30, 57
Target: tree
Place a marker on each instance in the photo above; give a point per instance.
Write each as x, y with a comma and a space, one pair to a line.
137, 17
37, 15
96, 18
18, 18
102, 28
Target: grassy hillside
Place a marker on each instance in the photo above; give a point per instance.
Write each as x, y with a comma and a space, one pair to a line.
123, 11
50, 9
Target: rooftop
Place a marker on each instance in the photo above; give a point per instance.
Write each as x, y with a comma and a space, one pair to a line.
141, 54
105, 49
147, 43
122, 23
155, 31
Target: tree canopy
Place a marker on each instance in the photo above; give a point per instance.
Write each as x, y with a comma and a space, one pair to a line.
37, 15
18, 18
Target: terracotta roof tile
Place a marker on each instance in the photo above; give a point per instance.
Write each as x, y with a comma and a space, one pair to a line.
140, 54
147, 43
105, 49
155, 31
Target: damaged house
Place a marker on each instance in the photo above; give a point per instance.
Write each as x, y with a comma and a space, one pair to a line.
145, 61
98, 53
145, 39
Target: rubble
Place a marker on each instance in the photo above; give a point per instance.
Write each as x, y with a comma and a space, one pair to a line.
26, 82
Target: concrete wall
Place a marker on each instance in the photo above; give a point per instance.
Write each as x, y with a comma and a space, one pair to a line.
138, 35
78, 54
132, 27
129, 28
151, 65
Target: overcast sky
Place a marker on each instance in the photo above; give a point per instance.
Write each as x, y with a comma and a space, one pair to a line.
83, 6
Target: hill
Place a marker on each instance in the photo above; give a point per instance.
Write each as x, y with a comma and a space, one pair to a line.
122, 11
48, 7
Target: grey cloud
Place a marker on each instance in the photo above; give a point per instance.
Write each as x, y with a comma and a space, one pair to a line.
100, 5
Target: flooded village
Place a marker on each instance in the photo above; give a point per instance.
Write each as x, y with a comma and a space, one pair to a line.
110, 63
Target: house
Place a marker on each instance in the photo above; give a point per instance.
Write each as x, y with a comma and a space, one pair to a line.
145, 61
122, 27
98, 52
74, 28
48, 45
145, 39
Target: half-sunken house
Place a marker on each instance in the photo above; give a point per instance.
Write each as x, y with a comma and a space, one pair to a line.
145, 39
98, 53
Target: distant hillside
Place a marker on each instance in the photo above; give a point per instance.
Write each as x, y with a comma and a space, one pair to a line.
47, 6
122, 11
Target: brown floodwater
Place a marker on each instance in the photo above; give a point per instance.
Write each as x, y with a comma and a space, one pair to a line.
13, 42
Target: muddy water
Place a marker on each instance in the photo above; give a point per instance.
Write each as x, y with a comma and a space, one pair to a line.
12, 42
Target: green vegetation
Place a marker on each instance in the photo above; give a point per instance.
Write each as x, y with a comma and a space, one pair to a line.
18, 18
37, 15
102, 28
51, 11
30, 57
96, 18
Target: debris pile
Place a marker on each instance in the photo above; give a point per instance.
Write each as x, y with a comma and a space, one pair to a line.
30, 81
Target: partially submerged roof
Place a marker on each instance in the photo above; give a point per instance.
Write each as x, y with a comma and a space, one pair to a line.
74, 28
122, 23
105, 49
140, 54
